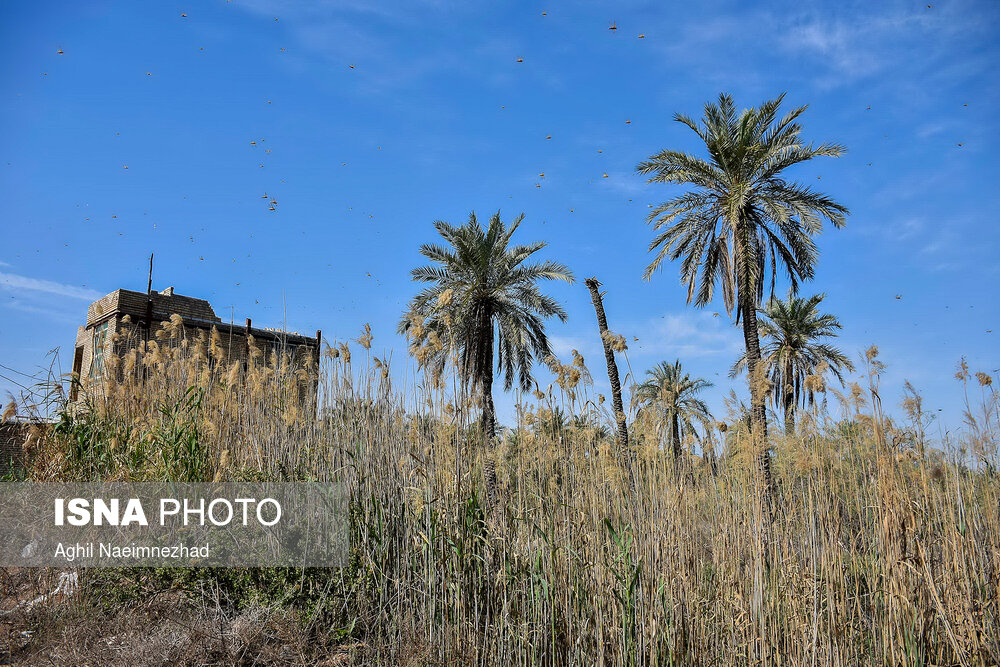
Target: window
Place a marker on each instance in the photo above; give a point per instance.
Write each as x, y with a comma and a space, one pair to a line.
97, 362
77, 369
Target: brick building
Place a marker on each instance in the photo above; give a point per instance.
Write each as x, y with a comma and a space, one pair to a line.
124, 319
13, 435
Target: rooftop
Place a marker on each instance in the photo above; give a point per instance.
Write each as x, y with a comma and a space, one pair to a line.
195, 312
165, 304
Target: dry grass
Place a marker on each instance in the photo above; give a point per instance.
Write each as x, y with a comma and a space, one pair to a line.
156, 626
878, 548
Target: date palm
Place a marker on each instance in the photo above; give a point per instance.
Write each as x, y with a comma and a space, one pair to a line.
792, 329
672, 395
740, 221
483, 305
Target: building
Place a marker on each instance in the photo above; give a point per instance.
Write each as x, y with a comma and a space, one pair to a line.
13, 435
124, 320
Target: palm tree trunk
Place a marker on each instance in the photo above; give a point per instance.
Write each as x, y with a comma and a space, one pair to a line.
487, 419
764, 504
616, 387
788, 398
758, 412
675, 435
488, 414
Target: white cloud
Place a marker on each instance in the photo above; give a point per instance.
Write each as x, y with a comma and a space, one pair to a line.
624, 182
58, 315
563, 346
688, 334
14, 282
877, 38
366, 36
694, 333
928, 130
943, 241
846, 48
851, 41
901, 229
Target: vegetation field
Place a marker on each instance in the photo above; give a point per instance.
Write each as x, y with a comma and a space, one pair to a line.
874, 547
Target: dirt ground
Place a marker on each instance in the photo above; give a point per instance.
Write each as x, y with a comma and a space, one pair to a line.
47, 619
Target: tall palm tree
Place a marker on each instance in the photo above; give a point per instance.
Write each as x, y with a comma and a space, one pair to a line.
673, 396
483, 304
741, 220
792, 329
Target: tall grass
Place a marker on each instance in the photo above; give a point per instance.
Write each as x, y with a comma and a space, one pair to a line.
877, 548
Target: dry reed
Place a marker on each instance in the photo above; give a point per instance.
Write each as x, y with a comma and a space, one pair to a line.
878, 549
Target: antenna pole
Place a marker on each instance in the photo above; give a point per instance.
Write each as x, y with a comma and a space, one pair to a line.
149, 299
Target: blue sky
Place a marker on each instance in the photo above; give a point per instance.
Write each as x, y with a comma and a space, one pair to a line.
373, 120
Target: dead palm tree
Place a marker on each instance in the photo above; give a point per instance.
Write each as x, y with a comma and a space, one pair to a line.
741, 221
672, 396
792, 329
483, 305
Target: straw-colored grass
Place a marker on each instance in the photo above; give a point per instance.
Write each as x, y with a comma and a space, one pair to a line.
879, 547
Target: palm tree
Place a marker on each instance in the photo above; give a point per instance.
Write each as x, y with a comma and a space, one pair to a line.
483, 303
792, 329
741, 220
551, 423
672, 395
